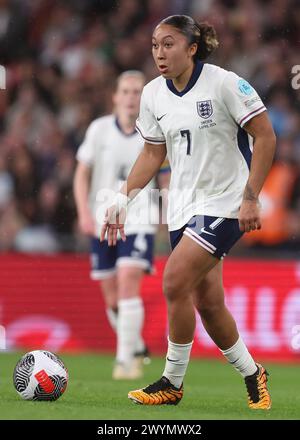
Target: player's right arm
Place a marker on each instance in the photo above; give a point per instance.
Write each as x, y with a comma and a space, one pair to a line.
154, 152
81, 187
144, 169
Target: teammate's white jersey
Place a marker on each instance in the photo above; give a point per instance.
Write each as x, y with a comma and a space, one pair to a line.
208, 150
111, 154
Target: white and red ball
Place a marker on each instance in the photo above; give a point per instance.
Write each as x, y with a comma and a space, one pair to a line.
40, 375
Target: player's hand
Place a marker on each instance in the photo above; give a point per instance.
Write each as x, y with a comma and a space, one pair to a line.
249, 216
113, 222
87, 224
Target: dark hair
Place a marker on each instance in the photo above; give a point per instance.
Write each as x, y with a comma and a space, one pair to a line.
201, 33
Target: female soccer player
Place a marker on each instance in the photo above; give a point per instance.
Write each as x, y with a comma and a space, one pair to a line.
220, 145
105, 157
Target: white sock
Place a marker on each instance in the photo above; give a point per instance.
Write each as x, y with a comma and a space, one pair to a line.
112, 316
177, 360
140, 345
130, 323
239, 356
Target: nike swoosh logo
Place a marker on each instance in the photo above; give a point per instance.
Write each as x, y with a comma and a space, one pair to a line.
206, 232
159, 118
172, 360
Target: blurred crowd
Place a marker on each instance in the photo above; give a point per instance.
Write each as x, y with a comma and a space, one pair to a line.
61, 60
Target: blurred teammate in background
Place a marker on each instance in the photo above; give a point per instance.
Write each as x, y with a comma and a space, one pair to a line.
210, 122
109, 150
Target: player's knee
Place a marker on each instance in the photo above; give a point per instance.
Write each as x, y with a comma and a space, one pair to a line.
129, 285
209, 309
111, 302
109, 296
172, 286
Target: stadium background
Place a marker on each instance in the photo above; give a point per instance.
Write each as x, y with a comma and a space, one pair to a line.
61, 60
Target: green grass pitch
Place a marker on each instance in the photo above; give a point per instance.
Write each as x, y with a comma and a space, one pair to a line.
213, 390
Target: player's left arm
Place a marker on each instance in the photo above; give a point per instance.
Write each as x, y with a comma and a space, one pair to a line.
260, 128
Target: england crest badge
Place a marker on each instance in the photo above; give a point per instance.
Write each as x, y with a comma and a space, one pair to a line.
204, 109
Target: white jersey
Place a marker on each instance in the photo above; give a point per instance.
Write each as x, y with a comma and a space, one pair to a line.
111, 154
208, 150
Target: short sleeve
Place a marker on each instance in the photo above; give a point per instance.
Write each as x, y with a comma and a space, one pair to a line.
147, 124
241, 99
86, 150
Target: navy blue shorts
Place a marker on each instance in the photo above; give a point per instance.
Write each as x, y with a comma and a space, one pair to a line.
136, 251
215, 234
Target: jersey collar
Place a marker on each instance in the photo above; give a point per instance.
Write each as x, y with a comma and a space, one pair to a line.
192, 81
120, 128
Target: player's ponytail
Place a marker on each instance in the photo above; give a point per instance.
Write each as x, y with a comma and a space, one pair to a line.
201, 33
207, 40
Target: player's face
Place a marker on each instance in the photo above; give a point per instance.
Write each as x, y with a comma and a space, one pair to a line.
127, 96
171, 51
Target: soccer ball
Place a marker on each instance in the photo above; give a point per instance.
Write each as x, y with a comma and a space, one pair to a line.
40, 375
